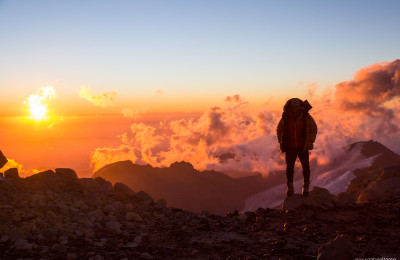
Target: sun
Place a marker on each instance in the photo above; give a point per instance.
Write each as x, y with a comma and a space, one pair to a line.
37, 103
38, 112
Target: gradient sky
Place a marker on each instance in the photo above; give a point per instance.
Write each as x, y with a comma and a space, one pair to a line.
186, 55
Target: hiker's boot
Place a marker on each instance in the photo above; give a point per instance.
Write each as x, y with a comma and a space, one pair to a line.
306, 186
290, 189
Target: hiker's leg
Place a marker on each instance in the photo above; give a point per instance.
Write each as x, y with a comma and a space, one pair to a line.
304, 157
290, 157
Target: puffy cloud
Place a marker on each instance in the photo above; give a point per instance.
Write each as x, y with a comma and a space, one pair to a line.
103, 156
130, 113
370, 91
235, 98
102, 100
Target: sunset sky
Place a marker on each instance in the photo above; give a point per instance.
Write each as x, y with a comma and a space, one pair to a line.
115, 63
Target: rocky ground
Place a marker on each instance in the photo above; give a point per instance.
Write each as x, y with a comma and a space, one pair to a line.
55, 215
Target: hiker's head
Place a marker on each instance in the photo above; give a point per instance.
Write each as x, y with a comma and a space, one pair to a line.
294, 105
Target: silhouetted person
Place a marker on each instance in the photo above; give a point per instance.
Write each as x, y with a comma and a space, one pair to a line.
296, 135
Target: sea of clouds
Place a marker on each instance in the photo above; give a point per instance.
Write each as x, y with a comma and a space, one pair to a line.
237, 139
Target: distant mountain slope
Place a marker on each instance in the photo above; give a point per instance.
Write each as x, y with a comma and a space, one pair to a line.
356, 158
184, 187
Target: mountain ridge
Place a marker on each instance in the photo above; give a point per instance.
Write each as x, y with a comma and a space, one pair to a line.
183, 186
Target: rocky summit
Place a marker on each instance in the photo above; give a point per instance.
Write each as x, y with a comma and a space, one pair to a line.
56, 215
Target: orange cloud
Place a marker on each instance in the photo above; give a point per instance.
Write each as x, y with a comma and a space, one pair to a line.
370, 90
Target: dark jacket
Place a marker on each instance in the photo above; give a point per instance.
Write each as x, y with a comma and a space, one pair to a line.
310, 128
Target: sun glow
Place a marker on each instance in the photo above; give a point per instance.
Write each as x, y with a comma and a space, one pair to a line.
37, 103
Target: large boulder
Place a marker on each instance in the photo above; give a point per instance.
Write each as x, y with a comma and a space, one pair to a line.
66, 173
142, 196
123, 189
380, 190
338, 248
96, 186
3, 160
11, 173
318, 197
47, 178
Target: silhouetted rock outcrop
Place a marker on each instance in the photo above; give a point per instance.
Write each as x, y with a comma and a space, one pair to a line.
3, 160
318, 197
375, 184
11, 173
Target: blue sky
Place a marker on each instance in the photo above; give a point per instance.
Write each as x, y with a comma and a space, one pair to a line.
190, 50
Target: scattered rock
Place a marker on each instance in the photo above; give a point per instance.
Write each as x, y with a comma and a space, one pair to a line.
55, 216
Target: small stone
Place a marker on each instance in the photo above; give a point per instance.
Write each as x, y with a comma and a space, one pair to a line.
138, 240
44, 250
131, 245
146, 256
133, 216
129, 207
89, 233
71, 256
242, 217
4, 239
99, 244
22, 244
63, 240
108, 208
114, 226
59, 248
